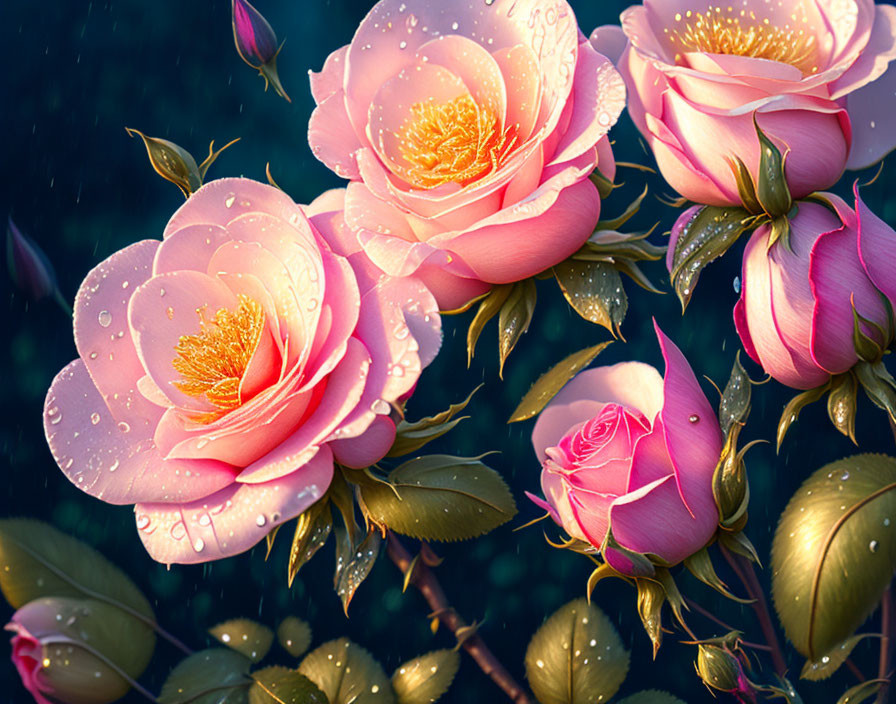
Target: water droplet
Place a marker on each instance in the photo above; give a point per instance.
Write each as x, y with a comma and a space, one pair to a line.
94, 418
380, 407
260, 520
694, 418
844, 476
115, 465
170, 313
54, 415
737, 284
124, 427
104, 318
125, 284
178, 530
199, 545
228, 203
873, 545
454, 26
403, 45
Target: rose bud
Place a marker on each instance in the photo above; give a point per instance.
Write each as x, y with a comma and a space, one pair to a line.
256, 43
628, 459
721, 669
77, 651
816, 76
797, 312
30, 270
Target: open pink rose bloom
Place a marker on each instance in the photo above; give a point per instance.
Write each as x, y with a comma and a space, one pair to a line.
815, 74
225, 368
468, 131
795, 314
625, 449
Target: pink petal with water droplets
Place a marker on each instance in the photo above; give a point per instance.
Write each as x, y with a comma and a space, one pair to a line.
232, 520
330, 78
522, 79
332, 138
190, 247
113, 457
368, 448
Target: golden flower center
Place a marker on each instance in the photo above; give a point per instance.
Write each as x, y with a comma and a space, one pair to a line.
742, 34
453, 142
213, 361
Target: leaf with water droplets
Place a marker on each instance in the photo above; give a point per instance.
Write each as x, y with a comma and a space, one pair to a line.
354, 562
514, 318
828, 664
576, 657
312, 530
426, 678
347, 674
410, 437
38, 560
439, 497
489, 306
171, 162
594, 290
842, 404
294, 635
862, 692
834, 551
708, 234
280, 685
212, 676
651, 696
549, 384
245, 636
735, 403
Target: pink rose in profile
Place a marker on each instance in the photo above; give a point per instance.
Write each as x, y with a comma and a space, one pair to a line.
225, 368
795, 313
468, 131
623, 448
816, 74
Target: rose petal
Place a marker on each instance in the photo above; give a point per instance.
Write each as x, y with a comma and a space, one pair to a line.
331, 77
876, 248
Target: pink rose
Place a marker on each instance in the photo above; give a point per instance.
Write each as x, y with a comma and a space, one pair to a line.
795, 313
53, 666
815, 73
468, 131
622, 448
223, 369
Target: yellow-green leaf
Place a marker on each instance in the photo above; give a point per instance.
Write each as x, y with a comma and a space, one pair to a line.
411, 436
213, 676
550, 383
245, 636
834, 551
594, 290
423, 680
828, 664
651, 696
440, 497
172, 162
488, 308
294, 635
313, 527
862, 692
280, 685
514, 318
576, 657
347, 674
354, 562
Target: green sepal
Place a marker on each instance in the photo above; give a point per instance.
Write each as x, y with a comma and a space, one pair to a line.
700, 565
642, 566
746, 188
411, 436
489, 306
604, 185
673, 595
842, 404
862, 692
867, 349
771, 187
651, 596
792, 410
740, 544
514, 318
878, 385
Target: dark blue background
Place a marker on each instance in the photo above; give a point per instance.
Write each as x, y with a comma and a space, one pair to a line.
74, 74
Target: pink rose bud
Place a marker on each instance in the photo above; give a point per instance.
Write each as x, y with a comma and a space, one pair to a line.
52, 653
224, 369
626, 452
796, 313
722, 670
469, 131
256, 43
29, 268
820, 85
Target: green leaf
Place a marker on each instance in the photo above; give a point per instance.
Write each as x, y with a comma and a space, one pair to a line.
37, 560
771, 186
834, 551
313, 528
245, 636
700, 565
735, 404
489, 306
105, 639
294, 635
828, 664
842, 404
576, 657
354, 562
745, 186
740, 544
410, 437
550, 383
171, 162
792, 410
874, 378
862, 692
280, 685
629, 213
425, 679
213, 676
347, 674
594, 290
651, 597
440, 497
514, 318
708, 235
651, 696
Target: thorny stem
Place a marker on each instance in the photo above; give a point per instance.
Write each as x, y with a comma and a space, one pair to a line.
743, 568
886, 629
427, 584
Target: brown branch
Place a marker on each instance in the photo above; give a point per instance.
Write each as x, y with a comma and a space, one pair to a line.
427, 584
886, 629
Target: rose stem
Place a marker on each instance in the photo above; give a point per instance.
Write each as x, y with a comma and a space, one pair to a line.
427, 584
715, 619
743, 568
886, 625
854, 669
